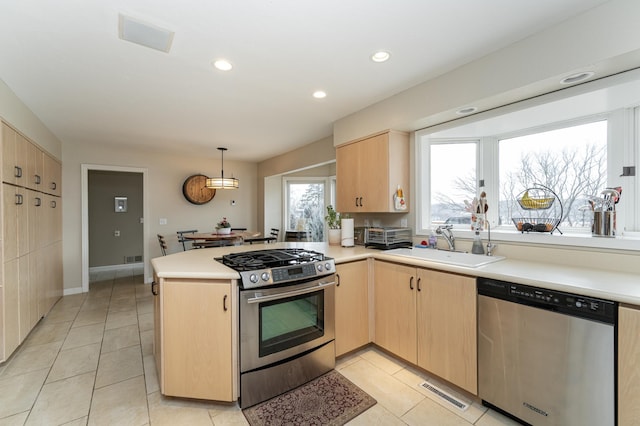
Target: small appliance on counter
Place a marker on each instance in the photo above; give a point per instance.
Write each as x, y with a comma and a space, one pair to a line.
358, 235
386, 238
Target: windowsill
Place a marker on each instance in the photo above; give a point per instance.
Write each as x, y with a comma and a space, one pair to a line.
630, 241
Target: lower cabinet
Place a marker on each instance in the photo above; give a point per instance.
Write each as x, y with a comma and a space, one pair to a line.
428, 318
628, 365
352, 306
193, 342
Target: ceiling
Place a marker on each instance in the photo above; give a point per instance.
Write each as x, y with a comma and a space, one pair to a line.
65, 61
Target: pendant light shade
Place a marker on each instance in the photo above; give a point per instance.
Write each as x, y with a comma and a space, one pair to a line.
222, 182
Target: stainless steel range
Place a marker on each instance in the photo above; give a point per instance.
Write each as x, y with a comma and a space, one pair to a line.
287, 320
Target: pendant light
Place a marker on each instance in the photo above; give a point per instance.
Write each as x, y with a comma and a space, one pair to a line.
222, 182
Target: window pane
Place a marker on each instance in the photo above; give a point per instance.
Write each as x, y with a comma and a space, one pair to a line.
306, 209
453, 180
572, 162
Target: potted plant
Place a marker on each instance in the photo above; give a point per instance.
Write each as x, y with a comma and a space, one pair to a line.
333, 222
223, 227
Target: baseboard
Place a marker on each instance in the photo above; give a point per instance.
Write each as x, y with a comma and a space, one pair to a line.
70, 291
121, 267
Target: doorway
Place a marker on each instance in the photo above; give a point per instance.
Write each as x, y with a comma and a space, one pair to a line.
114, 205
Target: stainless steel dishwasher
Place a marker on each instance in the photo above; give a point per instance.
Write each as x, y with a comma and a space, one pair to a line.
546, 357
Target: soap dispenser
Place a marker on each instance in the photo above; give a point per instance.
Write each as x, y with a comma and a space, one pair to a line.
477, 247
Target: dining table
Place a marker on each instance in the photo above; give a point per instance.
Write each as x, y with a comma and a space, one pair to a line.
213, 239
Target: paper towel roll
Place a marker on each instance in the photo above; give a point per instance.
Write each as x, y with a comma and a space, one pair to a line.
347, 233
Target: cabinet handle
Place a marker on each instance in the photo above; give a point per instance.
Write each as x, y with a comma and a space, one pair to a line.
53, 185
38, 201
18, 171
337, 280
360, 201
19, 199
356, 201
37, 179
53, 204
411, 283
153, 289
224, 303
419, 281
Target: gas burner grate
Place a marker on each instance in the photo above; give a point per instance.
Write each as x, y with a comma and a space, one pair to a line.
260, 259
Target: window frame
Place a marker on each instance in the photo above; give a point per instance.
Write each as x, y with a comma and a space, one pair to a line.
623, 136
329, 195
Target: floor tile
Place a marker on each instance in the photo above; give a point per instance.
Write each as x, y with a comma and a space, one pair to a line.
63, 401
228, 415
376, 416
145, 306
119, 338
121, 318
383, 361
78, 422
428, 413
91, 316
123, 403
62, 315
145, 321
47, 333
391, 393
493, 418
146, 340
150, 374
15, 420
18, 393
174, 411
119, 365
72, 362
85, 335
32, 358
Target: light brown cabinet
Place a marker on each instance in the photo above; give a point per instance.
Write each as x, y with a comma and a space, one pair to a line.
629, 365
31, 240
429, 319
368, 172
352, 306
193, 342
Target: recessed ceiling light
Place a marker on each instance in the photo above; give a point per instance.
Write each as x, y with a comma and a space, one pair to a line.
222, 65
380, 56
319, 94
575, 78
466, 110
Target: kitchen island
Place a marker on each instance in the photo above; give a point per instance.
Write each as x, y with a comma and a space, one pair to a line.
198, 274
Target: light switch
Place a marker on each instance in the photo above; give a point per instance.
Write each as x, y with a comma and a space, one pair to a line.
116, 233
163, 221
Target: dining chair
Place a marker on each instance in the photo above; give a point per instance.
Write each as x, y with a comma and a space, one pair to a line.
163, 244
272, 238
185, 241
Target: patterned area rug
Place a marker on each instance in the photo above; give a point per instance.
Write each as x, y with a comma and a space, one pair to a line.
328, 400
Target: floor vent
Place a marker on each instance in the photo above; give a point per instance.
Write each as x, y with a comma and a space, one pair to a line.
442, 394
132, 259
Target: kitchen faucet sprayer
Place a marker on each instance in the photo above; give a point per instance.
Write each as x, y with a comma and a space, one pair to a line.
447, 234
490, 246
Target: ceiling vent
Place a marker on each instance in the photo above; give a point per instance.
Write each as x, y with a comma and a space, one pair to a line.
145, 34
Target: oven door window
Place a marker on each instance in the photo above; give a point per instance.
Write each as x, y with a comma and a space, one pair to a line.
291, 321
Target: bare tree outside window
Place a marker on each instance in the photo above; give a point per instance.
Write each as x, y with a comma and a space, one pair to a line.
306, 209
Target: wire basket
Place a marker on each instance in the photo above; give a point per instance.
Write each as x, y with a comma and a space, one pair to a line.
537, 224
535, 199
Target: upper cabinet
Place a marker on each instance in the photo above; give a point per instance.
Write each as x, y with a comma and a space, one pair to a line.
369, 171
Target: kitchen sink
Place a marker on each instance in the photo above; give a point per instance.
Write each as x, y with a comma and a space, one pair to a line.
443, 256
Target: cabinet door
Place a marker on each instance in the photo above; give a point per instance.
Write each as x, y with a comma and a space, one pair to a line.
446, 317
348, 165
395, 309
52, 176
352, 301
15, 204
8, 154
374, 174
197, 339
628, 365
11, 307
26, 296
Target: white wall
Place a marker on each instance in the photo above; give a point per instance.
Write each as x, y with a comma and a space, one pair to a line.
166, 173
605, 39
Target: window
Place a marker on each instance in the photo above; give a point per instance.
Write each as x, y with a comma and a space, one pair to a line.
305, 205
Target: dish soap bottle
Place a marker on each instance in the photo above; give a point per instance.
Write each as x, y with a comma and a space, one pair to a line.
477, 247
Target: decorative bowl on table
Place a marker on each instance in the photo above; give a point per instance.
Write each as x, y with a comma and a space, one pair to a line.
223, 231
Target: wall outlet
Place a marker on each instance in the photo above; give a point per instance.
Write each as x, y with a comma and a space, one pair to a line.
233, 202
163, 221
116, 233
403, 222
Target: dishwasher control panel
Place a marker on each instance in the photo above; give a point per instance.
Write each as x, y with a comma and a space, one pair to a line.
567, 303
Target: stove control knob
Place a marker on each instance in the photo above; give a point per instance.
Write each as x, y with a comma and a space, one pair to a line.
320, 267
327, 266
265, 276
253, 278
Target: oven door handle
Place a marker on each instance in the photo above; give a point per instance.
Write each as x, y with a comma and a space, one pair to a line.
259, 299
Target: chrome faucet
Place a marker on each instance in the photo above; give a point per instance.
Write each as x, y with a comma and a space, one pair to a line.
490, 246
447, 234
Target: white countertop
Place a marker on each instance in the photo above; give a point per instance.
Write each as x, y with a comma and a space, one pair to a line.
619, 287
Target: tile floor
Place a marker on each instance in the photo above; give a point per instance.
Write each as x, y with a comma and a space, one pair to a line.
90, 362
